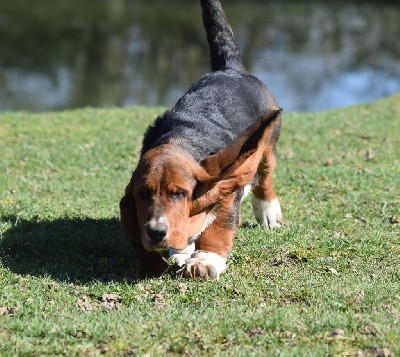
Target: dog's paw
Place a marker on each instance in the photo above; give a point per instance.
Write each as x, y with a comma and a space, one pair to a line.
204, 266
267, 213
179, 257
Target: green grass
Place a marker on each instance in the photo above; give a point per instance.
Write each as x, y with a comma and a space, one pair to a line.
327, 283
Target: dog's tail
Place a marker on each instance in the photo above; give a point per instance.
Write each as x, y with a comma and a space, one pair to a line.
223, 48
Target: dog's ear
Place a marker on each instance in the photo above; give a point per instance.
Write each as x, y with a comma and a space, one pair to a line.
234, 166
150, 263
128, 213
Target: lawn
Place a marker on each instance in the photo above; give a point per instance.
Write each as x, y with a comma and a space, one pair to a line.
325, 284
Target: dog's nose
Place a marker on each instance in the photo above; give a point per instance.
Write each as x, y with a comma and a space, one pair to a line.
156, 233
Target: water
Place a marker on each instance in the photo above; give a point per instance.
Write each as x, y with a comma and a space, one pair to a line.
312, 55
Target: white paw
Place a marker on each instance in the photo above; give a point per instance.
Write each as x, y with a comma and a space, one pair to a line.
204, 266
179, 257
267, 213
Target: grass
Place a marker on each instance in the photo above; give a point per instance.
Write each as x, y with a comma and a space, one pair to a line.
327, 283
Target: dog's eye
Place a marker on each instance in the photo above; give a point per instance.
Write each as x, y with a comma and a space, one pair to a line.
145, 194
179, 195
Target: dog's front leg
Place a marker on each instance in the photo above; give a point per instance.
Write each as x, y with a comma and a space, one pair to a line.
200, 264
214, 244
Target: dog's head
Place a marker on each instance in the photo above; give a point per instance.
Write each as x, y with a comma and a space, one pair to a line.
171, 193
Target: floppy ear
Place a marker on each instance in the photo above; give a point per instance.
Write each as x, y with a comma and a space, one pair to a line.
234, 166
128, 213
150, 263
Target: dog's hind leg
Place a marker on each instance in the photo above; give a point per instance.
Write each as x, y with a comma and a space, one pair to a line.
266, 206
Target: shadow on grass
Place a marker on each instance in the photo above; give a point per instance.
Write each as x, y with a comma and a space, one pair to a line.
249, 225
69, 250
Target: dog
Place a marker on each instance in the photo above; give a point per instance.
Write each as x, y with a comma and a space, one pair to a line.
198, 160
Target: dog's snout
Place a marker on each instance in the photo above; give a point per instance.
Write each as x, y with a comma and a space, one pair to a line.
156, 232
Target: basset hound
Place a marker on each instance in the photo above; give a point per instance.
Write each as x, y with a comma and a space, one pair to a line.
182, 204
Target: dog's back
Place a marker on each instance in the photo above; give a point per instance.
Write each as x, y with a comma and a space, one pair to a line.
218, 107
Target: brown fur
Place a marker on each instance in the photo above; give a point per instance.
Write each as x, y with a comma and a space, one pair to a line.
218, 238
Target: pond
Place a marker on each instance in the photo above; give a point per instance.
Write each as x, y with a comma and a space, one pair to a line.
313, 55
